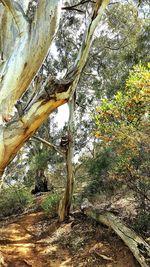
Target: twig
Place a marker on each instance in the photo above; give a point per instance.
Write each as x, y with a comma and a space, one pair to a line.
76, 5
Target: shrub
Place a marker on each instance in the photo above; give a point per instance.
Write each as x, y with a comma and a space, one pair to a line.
50, 204
14, 199
142, 223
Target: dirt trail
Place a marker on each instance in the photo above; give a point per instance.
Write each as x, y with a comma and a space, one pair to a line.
34, 240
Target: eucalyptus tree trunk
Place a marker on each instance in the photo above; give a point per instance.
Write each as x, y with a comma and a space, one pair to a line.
27, 46
23, 47
65, 203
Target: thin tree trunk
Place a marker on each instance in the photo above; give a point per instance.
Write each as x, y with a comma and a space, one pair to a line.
1, 181
65, 203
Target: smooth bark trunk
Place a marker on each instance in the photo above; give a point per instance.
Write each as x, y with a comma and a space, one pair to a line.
65, 203
31, 44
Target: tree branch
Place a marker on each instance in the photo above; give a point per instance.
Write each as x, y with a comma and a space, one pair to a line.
117, 48
81, 60
73, 7
48, 144
50, 9
15, 133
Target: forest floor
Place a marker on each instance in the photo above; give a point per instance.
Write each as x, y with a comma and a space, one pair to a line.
33, 239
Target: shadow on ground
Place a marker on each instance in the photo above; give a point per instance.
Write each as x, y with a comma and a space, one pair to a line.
38, 241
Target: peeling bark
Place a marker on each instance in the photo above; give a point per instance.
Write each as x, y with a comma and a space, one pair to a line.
18, 71
30, 49
137, 245
15, 133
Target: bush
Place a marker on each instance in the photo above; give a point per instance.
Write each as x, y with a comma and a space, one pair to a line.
142, 223
50, 204
14, 199
98, 169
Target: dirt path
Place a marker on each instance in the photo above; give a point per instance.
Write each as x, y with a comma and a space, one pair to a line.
34, 240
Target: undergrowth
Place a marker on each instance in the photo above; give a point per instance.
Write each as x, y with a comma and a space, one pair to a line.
14, 199
50, 204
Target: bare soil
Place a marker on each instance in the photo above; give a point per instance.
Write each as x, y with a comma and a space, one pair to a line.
38, 241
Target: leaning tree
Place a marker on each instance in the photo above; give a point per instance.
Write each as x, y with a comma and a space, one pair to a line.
24, 44
27, 29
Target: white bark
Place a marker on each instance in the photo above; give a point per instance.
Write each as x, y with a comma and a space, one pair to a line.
28, 54
65, 202
30, 48
81, 60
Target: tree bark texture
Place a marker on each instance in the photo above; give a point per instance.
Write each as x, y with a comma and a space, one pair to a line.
137, 245
30, 46
65, 203
32, 41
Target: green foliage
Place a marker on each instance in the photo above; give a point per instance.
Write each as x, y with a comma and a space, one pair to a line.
14, 200
116, 118
50, 204
102, 185
119, 48
142, 223
29, 179
40, 160
122, 121
98, 170
122, 124
99, 164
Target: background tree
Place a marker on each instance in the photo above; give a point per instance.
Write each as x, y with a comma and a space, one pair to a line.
122, 125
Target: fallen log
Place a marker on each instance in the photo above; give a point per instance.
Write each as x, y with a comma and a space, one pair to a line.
137, 245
